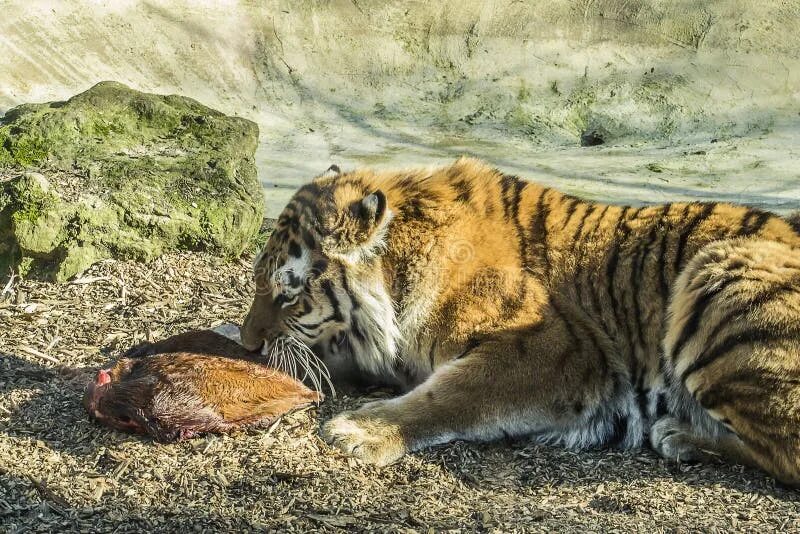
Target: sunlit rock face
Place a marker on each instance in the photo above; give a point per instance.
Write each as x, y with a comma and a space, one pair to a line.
122, 174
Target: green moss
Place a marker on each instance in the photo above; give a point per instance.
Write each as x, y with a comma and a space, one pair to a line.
579, 106
28, 150
75, 260
6, 158
25, 266
161, 173
36, 223
523, 93
519, 119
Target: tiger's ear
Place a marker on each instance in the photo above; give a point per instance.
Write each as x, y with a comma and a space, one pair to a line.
332, 171
371, 210
363, 233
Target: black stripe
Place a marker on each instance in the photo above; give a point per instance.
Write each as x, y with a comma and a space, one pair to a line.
573, 203
665, 225
319, 267
585, 274
794, 222
611, 268
661, 406
511, 304
511, 211
665, 281
303, 204
309, 330
753, 221
407, 184
463, 191
573, 335
746, 337
588, 330
506, 183
539, 230
599, 220
327, 287
687, 231
760, 300
312, 189
698, 311
641, 401
294, 249
663, 285
472, 344
589, 210
747, 384
432, 353
294, 280
580, 272
619, 430
415, 210
519, 186
637, 274
317, 325
355, 304
355, 326
308, 238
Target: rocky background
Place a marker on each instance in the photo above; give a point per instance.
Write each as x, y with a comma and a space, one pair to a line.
114, 172
692, 100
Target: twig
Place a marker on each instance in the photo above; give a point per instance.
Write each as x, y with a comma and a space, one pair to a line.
88, 280
42, 355
275, 31
283, 52
9, 285
48, 494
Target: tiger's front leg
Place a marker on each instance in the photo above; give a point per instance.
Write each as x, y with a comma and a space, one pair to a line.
512, 385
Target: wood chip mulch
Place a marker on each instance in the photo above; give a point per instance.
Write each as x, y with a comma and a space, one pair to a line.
61, 472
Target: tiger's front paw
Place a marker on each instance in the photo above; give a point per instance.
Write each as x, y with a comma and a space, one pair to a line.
367, 433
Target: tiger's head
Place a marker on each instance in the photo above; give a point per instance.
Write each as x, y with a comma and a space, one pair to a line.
320, 281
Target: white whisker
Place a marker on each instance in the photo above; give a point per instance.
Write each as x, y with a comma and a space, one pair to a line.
314, 363
291, 355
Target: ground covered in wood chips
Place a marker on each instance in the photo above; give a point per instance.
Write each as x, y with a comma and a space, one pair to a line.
61, 472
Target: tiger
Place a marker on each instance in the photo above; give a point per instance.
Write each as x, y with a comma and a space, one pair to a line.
502, 308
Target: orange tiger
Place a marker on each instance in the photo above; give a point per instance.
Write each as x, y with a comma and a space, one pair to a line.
505, 308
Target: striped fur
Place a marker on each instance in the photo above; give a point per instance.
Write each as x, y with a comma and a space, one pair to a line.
501, 306
733, 356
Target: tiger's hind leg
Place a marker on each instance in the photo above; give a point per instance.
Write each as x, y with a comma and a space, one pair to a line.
732, 357
681, 442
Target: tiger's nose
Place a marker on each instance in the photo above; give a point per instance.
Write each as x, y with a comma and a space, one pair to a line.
252, 342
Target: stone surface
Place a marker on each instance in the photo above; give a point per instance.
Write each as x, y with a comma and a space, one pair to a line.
391, 84
123, 174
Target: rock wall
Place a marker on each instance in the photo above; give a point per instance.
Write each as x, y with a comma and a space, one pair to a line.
393, 83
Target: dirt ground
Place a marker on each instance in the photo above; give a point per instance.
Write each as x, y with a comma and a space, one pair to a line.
61, 472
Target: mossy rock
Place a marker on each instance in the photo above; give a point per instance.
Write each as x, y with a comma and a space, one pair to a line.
147, 174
